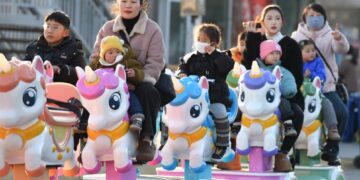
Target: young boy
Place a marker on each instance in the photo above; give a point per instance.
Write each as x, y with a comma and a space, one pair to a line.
56, 45
112, 53
270, 53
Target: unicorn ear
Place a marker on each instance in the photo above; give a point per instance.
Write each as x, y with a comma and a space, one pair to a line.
49, 71
38, 64
203, 82
242, 70
317, 82
277, 73
120, 72
79, 72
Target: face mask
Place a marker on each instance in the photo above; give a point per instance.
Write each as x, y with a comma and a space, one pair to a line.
117, 59
200, 47
315, 22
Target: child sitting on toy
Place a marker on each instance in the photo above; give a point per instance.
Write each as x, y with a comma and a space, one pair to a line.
270, 53
314, 66
113, 52
214, 65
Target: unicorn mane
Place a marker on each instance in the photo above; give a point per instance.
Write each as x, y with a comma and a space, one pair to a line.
106, 80
188, 88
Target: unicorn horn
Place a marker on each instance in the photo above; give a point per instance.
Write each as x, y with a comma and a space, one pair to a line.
90, 75
236, 70
177, 85
255, 70
5, 66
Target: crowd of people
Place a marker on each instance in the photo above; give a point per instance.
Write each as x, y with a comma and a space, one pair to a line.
135, 41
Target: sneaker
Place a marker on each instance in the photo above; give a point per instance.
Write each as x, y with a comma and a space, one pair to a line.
136, 125
333, 134
218, 153
289, 128
146, 151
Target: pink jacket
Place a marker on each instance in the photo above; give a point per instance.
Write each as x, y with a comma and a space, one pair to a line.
328, 47
146, 40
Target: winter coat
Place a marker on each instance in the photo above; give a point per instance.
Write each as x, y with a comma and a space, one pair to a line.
67, 55
316, 68
328, 47
287, 83
129, 61
146, 41
291, 59
214, 66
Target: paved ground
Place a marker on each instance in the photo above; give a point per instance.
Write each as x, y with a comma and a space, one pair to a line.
348, 151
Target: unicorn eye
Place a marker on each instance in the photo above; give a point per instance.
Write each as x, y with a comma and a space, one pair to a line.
114, 101
312, 106
242, 96
270, 95
29, 97
195, 111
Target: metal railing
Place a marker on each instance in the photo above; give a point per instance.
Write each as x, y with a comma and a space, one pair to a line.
86, 17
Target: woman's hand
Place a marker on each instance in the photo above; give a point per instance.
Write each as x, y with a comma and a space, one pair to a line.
249, 26
336, 33
130, 72
307, 73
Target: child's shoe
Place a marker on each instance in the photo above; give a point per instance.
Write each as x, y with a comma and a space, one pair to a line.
289, 128
218, 153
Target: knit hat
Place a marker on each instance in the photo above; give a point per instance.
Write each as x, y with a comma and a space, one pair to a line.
267, 47
109, 42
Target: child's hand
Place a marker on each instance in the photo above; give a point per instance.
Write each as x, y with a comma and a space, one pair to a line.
131, 86
56, 69
307, 73
182, 75
130, 72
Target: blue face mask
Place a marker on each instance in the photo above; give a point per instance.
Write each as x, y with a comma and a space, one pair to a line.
315, 22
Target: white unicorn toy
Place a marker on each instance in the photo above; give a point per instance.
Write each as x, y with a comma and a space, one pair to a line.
26, 136
104, 93
190, 129
309, 137
259, 97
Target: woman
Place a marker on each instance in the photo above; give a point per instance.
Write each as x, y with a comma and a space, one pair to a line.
146, 39
272, 20
329, 42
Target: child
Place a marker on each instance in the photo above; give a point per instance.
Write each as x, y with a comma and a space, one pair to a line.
314, 66
214, 65
56, 45
270, 53
236, 53
113, 52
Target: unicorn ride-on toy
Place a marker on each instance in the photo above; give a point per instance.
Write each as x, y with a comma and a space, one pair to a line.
308, 143
191, 129
259, 97
26, 125
104, 93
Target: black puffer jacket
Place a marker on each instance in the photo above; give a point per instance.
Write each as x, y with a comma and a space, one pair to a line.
215, 66
66, 55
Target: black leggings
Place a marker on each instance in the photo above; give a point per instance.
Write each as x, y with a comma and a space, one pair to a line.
150, 101
298, 119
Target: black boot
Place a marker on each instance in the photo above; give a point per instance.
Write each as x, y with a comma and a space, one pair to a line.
330, 153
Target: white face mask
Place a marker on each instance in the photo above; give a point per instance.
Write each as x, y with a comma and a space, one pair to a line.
117, 59
200, 47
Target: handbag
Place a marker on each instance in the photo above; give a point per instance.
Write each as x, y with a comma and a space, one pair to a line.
164, 84
341, 89
166, 88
